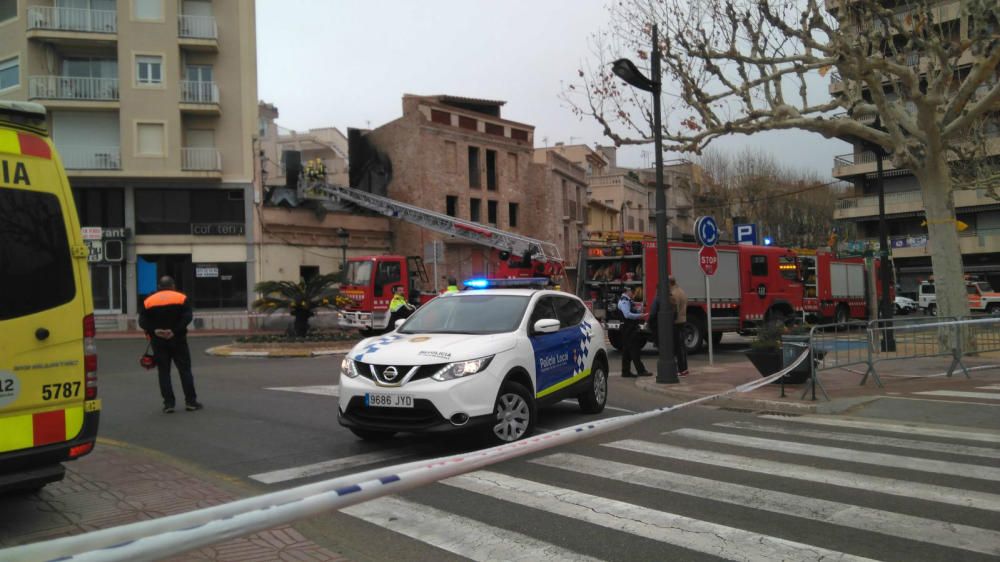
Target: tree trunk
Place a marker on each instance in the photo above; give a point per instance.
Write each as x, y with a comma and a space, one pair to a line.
946, 253
301, 325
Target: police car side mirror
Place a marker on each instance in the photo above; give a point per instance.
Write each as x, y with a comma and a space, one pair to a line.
400, 322
546, 326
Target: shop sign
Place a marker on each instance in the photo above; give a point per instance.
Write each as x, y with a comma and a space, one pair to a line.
206, 271
218, 229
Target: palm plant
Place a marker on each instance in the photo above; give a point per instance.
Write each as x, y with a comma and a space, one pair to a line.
300, 299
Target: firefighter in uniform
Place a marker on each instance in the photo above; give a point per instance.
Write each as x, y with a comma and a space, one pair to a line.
398, 307
630, 337
452, 285
165, 316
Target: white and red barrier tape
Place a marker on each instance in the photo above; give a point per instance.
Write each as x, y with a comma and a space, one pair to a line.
176, 534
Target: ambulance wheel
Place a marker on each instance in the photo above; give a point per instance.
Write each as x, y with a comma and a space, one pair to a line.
717, 338
592, 401
372, 434
932, 309
842, 314
615, 339
515, 414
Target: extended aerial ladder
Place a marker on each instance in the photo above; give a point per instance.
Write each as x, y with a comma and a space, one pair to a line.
515, 244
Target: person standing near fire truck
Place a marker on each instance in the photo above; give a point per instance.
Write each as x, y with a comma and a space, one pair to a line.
631, 347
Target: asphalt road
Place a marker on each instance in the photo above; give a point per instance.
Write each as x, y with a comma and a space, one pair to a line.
696, 484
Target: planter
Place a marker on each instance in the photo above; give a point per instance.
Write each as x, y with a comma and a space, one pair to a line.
767, 361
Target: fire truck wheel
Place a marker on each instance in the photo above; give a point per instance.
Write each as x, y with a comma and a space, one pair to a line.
615, 339
694, 334
842, 314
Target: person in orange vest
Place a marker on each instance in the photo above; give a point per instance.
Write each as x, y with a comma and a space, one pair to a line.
165, 316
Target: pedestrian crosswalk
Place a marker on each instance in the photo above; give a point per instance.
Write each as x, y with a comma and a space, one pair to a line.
754, 488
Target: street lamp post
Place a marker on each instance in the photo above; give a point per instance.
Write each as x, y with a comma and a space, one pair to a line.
886, 305
344, 236
666, 368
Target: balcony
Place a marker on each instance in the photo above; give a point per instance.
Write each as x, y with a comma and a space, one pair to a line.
72, 25
73, 89
866, 206
201, 160
198, 32
91, 157
200, 97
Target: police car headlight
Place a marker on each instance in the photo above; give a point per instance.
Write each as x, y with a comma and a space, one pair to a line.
461, 369
348, 368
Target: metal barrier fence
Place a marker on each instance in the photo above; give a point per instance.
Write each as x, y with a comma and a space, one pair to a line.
853, 345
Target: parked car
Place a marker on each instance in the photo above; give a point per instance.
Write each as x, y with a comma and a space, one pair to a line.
905, 305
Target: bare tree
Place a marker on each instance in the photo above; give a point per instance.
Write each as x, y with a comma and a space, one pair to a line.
916, 82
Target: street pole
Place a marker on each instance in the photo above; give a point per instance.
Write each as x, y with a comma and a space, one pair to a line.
666, 367
885, 266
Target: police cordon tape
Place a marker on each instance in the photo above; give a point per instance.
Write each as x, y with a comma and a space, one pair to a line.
176, 534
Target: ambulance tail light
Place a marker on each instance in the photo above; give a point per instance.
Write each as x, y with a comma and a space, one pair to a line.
80, 450
90, 356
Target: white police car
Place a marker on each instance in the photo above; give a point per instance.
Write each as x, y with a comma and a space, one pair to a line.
476, 359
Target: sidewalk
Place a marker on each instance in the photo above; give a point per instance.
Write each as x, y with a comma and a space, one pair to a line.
899, 377
116, 485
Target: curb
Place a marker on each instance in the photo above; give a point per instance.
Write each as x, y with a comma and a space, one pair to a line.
835, 406
229, 351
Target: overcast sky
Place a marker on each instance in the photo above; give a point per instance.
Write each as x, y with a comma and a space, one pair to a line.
348, 63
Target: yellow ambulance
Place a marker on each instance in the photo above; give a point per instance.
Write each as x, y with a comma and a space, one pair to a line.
48, 359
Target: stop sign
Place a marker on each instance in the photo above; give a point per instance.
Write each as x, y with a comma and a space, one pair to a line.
708, 258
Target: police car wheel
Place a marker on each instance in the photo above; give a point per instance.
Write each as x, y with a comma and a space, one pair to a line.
593, 400
515, 413
372, 434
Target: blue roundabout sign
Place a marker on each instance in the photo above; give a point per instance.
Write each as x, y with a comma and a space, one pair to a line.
706, 231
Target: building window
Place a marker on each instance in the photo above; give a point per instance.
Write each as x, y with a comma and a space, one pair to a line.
149, 69
631, 223
467, 123
147, 9
261, 127
642, 225
450, 157
491, 170
512, 214
220, 285
100, 207
474, 179
494, 129
491, 212
518, 134
10, 73
149, 139
474, 210
178, 211
451, 205
513, 171
8, 10
442, 117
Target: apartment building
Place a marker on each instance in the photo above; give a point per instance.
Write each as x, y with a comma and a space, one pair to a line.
152, 105
456, 156
563, 198
904, 208
298, 239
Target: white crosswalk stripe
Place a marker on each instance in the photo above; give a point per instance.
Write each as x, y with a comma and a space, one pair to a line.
875, 520
961, 394
911, 429
878, 484
949, 448
990, 387
892, 502
460, 535
321, 390
701, 536
864, 457
333, 465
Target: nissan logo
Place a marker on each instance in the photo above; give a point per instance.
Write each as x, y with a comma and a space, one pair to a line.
390, 374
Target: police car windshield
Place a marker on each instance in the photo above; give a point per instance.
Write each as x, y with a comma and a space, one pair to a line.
468, 314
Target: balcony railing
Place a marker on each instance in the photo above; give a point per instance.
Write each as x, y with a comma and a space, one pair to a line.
197, 27
852, 159
72, 19
199, 92
73, 88
91, 157
201, 159
897, 198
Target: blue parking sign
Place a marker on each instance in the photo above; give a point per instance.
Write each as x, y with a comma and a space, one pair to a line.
745, 234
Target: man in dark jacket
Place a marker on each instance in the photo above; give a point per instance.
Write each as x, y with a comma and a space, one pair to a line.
165, 316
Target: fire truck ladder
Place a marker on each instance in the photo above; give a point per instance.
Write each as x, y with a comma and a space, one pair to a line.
514, 243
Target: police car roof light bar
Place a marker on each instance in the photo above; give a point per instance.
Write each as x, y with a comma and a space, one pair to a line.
517, 282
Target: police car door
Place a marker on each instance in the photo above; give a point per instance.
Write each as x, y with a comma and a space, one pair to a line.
553, 359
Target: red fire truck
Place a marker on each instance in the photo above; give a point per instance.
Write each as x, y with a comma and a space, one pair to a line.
753, 284
370, 280
835, 288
